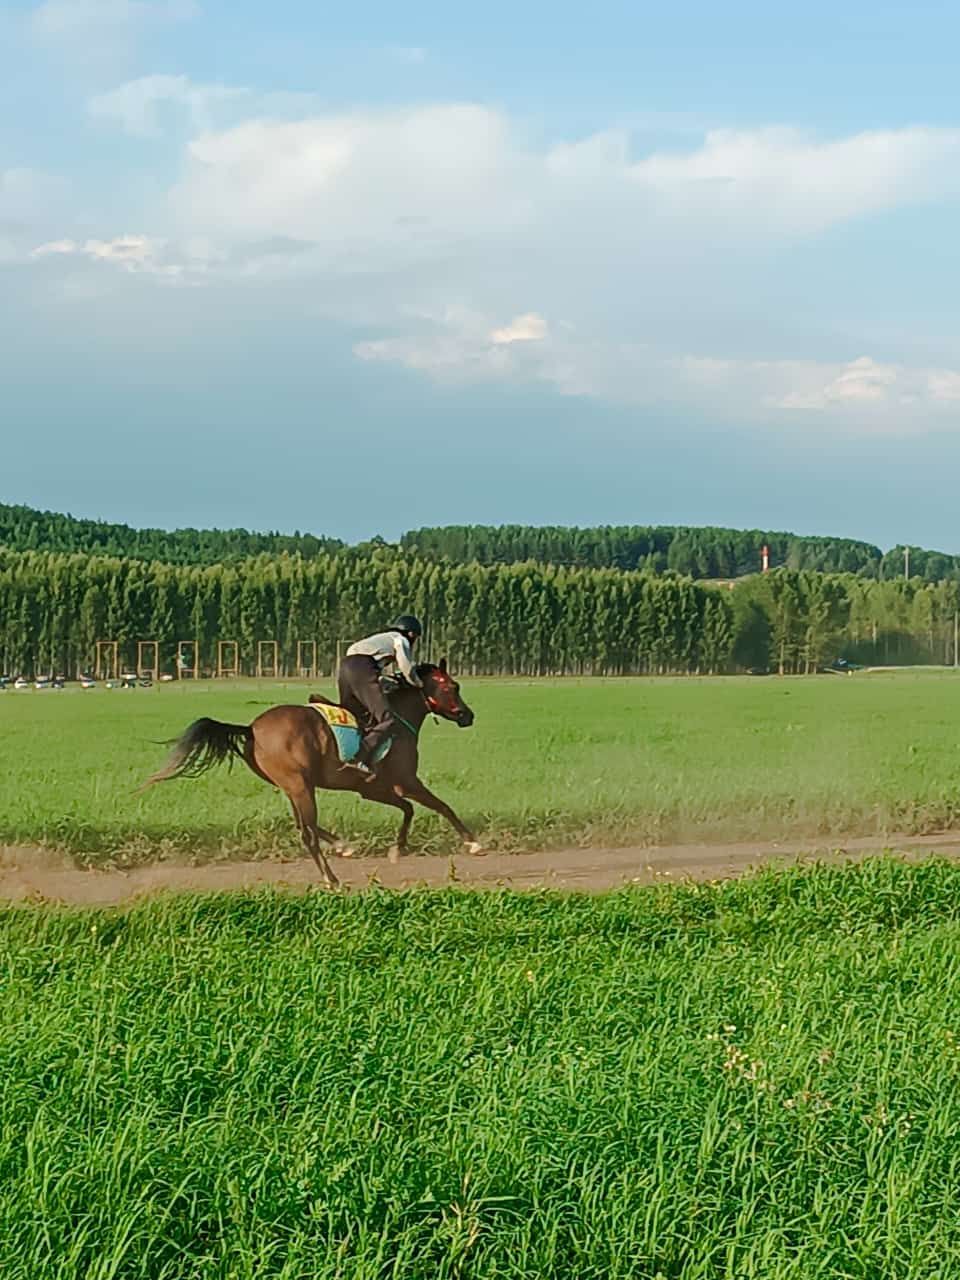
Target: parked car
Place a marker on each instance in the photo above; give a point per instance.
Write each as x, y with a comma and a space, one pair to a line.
844, 667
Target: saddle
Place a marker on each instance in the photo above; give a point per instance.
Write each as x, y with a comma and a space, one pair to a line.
346, 729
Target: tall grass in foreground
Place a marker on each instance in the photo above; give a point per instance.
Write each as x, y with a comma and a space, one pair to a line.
753, 1079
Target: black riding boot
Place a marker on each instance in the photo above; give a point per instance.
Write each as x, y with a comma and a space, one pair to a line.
364, 757
362, 762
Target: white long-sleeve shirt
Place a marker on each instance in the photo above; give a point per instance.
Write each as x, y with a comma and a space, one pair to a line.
386, 648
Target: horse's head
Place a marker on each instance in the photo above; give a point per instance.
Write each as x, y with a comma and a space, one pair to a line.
442, 694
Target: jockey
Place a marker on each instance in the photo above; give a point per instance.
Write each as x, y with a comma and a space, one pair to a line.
359, 682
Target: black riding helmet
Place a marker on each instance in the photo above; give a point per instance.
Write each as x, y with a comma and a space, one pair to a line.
408, 624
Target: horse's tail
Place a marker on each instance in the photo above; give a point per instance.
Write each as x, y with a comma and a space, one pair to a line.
202, 745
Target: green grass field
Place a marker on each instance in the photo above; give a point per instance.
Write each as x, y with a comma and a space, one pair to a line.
752, 1081
639, 761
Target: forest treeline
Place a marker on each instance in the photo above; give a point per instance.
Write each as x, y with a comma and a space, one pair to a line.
523, 619
701, 553
26, 529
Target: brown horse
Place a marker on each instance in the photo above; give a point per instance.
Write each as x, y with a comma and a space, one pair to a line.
293, 748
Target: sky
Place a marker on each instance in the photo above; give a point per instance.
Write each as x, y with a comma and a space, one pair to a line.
361, 269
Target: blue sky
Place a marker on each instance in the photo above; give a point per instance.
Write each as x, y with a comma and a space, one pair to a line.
302, 266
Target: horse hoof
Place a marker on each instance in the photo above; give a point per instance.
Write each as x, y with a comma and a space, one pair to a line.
474, 847
394, 853
344, 850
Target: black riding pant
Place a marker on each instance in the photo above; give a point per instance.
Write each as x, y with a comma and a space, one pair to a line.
360, 693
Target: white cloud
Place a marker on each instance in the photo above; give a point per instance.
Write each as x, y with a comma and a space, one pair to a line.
432, 226
373, 191
56, 248
451, 343
66, 19
138, 254
777, 181
129, 251
383, 188
445, 357
526, 328
458, 347
862, 381
863, 391
801, 183
141, 106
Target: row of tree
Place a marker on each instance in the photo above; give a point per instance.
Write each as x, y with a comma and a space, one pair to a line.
698, 552
702, 553
526, 619
26, 529
798, 621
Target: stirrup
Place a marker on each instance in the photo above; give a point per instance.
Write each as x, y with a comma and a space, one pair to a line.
360, 766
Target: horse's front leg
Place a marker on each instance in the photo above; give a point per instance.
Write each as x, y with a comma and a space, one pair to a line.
423, 795
392, 797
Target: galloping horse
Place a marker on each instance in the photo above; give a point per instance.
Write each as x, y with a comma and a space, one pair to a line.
293, 748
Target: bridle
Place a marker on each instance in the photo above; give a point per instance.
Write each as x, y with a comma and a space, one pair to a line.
432, 704
434, 707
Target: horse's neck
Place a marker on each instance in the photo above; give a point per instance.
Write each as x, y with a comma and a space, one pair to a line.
409, 703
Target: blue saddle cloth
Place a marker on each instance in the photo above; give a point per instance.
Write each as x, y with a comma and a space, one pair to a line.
346, 732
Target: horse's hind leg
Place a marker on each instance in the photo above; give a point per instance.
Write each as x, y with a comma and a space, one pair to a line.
250, 759
304, 804
253, 764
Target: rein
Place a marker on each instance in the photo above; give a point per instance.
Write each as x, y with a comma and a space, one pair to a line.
406, 724
429, 703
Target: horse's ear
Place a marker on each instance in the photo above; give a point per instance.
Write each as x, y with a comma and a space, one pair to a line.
442, 666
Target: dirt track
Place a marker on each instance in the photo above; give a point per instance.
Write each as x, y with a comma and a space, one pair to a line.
27, 873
